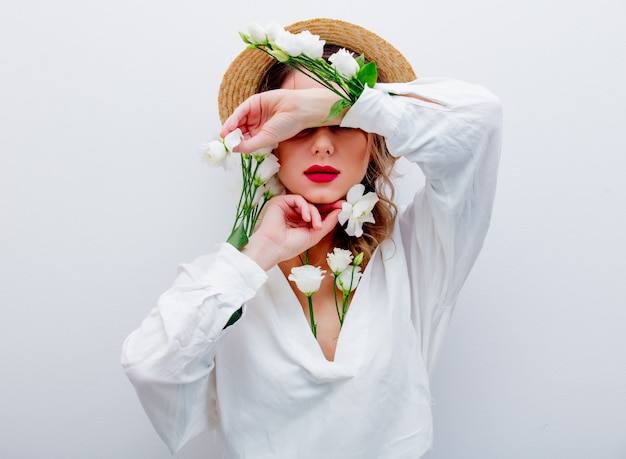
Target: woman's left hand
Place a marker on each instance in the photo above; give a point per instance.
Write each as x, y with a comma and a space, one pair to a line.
288, 226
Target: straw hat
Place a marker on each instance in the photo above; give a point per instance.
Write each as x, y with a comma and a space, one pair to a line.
243, 77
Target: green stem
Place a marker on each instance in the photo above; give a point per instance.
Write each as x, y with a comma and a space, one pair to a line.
346, 295
293, 62
241, 198
313, 325
344, 306
336, 302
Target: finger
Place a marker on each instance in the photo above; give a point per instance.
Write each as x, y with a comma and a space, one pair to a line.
237, 118
256, 143
316, 218
329, 207
329, 222
300, 206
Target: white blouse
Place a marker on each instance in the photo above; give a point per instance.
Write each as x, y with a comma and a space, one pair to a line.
264, 382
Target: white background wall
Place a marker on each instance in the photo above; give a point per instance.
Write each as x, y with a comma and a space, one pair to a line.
103, 105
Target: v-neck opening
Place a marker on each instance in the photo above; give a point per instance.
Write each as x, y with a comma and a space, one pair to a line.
351, 341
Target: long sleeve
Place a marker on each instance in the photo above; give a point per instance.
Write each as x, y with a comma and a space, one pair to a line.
266, 374
454, 136
169, 358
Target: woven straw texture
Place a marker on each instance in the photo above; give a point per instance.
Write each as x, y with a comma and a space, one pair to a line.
244, 75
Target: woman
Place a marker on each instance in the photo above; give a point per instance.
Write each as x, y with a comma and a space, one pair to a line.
358, 390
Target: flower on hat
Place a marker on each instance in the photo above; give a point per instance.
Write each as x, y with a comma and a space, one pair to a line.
301, 43
345, 63
303, 51
260, 35
357, 210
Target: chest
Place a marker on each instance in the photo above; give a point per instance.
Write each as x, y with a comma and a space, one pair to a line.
324, 313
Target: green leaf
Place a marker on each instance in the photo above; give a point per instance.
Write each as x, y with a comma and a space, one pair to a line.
238, 238
280, 55
244, 37
368, 74
361, 60
234, 318
336, 109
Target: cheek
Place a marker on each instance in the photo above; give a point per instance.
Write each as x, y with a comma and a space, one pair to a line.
285, 172
362, 146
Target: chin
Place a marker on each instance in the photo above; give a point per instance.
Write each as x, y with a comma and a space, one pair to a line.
321, 196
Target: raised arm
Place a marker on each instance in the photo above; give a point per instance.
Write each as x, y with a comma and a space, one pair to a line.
270, 117
452, 130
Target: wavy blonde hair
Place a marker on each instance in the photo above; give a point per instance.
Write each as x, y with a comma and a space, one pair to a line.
378, 178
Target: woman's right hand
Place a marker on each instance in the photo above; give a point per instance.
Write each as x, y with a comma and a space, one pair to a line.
288, 226
267, 118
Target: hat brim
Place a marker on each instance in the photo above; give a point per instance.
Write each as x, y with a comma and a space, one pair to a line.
243, 77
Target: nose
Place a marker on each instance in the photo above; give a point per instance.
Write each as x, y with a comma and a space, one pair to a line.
322, 142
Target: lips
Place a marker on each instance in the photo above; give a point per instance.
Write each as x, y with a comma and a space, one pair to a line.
321, 174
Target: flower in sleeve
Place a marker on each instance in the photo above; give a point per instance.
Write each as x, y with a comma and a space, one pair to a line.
308, 278
348, 279
357, 210
338, 260
345, 63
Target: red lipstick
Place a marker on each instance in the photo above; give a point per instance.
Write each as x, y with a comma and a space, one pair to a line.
321, 174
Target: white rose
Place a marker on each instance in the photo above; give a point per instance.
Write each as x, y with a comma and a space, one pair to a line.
233, 139
344, 62
338, 260
268, 190
266, 170
273, 187
288, 43
256, 33
312, 46
273, 31
347, 280
308, 278
303, 42
260, 35
260, 155
214, 152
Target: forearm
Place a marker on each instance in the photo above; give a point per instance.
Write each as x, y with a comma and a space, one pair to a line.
263, 251
176, 342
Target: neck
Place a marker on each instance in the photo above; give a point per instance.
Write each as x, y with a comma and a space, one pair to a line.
316, 254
